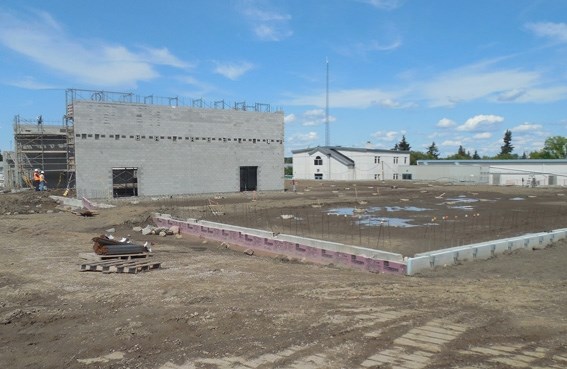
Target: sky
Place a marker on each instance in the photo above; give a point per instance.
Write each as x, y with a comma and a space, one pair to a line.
444, 71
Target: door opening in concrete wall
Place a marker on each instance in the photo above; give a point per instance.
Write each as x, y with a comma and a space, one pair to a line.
248, 178
124, 182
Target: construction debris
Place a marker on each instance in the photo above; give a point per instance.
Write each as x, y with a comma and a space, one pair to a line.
120, 266
118, 256
107, 245
85, 213
160, 231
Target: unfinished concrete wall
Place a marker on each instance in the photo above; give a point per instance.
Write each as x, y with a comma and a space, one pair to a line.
308, 249
176, 150
482, 251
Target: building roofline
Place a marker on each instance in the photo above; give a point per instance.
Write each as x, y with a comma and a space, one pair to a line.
344, 148
494, 161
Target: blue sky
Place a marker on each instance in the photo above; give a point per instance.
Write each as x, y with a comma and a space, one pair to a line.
444, 71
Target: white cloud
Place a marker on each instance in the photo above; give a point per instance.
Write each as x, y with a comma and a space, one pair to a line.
352, 98
232, 71
202, 88
315, 117
479, 121
42, 39
304, 137
452, 143
388, 136
482, 136
384, 4
527, 127
544, 95
445, 123
290, 118
361, 49
475, 82
30, 83
511, 95
162, 56
393, 104
271, 33
554, 31
267, 25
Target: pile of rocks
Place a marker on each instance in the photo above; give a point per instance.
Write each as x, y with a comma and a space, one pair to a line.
160, 231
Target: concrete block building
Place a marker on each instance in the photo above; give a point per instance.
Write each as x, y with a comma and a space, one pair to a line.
137, 149
347, 163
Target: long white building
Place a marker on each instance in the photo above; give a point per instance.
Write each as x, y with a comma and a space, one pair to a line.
347, 163
522, 172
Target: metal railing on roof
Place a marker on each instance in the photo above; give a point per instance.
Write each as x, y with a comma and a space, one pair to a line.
130, 98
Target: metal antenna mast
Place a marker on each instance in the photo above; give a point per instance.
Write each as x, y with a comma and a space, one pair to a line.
327, 133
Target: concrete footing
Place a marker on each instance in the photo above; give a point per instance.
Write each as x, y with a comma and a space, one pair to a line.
376, 261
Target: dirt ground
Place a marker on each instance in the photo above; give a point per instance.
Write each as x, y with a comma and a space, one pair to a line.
211, 307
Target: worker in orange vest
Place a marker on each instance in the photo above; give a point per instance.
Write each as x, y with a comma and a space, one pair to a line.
36, 179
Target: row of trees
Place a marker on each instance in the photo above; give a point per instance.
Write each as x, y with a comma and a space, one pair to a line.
555, 147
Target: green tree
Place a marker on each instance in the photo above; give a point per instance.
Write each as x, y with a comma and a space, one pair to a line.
433, 151
554, 148
507, 148
403, 145
460, 155
476, 156
396, 148
418, 155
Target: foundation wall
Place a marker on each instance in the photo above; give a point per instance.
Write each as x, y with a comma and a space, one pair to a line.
376, 261
481, 251
311, 250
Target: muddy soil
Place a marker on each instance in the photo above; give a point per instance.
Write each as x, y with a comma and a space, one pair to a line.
210, 306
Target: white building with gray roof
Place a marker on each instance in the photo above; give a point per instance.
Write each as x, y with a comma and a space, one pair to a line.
348, 163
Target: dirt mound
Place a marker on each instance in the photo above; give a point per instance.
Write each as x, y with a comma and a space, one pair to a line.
28, 202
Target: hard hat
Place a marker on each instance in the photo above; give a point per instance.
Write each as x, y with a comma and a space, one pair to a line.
42, 172
36, 170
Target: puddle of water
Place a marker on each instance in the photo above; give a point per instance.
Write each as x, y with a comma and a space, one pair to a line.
517, 198
341, 211
463, 207
372, 221
391, 222
463, 199
395, 208
405, 208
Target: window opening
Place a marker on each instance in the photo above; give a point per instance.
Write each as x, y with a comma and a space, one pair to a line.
124, 182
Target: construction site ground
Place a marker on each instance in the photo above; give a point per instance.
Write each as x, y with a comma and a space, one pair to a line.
211, 305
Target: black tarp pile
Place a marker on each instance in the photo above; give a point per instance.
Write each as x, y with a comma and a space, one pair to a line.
107, 245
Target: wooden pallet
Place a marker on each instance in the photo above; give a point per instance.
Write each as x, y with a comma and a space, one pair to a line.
120, 266
93, 256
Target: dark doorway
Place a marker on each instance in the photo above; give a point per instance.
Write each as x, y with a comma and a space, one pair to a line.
124, 182
248, 178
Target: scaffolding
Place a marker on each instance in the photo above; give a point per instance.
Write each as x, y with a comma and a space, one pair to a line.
39, 146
